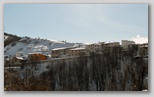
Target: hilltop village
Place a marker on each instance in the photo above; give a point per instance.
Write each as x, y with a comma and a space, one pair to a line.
39, 54
98, 66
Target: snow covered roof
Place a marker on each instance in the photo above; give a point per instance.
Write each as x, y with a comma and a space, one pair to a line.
112, 43
97, 43
20, 58
58, 48
62, 48
78, 49
34, 53
89, 43
37, 53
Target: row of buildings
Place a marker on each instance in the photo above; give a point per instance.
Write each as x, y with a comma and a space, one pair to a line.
78, 50
94, 47
67, 52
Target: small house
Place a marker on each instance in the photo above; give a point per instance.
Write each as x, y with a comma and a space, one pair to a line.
19, 54
37, 57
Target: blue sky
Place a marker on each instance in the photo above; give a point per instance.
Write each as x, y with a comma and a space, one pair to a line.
77, 22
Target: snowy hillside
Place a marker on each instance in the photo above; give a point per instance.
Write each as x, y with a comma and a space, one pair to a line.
30, 45
5, 37
9, 38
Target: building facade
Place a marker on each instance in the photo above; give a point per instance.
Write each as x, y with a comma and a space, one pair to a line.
76, 52
126, 43
90, 47
19, 54
60, 52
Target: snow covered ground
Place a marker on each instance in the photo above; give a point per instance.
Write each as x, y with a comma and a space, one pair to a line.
5, 37
30, 45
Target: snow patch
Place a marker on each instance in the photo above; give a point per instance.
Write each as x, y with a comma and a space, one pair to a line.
5, 37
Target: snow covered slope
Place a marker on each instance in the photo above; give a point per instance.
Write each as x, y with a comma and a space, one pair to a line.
5, 37
9, 38
30, 45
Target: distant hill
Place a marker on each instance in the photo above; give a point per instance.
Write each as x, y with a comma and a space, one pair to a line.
27, 45
9, 38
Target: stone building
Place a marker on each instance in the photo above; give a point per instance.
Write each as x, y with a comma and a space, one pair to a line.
126, 43
60, 52
76, 52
